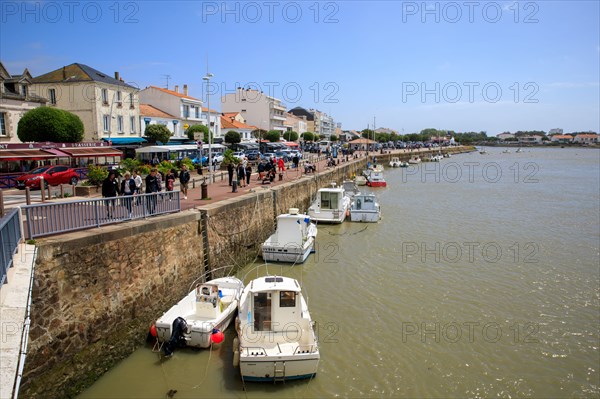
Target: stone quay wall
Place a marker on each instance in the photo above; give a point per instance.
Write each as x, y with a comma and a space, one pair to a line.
97, 291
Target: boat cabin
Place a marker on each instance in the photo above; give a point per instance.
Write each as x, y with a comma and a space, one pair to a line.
364, 202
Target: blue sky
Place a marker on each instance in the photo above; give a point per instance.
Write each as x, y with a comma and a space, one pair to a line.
492, 66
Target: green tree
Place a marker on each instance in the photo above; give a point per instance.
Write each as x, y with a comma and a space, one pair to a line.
308, 136
273, 136
232, 137
290, 136
333, 137
368, 134
50, 124
156, 133
200, 129
96, 175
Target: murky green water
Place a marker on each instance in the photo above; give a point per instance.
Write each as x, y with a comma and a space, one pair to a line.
482, 280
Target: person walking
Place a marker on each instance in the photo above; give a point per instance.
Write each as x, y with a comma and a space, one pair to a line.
230, 170
241, 175
248, 173
152, 187
184, 179
280, 165
110, 189
127, 191
170, 178
138, 186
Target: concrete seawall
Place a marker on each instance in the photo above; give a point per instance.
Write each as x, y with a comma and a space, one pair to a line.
97, 292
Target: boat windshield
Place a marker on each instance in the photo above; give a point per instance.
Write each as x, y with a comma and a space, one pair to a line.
329, 200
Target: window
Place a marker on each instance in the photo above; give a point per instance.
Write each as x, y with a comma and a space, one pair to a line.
287, 299
186, 111
262, 311
132, 122
105, 96
198, 112
106, 122
131, 100
329, 200
119, 124
52, 95
24, 90
119, 96
2, 124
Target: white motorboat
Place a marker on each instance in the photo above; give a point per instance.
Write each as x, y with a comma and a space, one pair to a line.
365, 208
276, 340
507, 151
446, 155
519, 149
350, 188
395, 162
375, 179
435, 158
414, 160
207, 309
293, 240
360, 180
330, 206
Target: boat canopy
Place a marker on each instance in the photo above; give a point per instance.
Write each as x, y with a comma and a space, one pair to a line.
274, 283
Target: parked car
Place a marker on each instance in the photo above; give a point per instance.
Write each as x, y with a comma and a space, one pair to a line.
239, 155
52, 176
268, 155
252, 155
218, 158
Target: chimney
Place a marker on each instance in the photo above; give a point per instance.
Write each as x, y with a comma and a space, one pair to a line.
64, 73
185, 90
176, 88
117, 76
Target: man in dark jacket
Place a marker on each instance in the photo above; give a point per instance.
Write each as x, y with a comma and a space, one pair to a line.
110, 189
184, 179
152, 186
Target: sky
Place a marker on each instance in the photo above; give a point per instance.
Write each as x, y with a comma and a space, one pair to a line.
489, 66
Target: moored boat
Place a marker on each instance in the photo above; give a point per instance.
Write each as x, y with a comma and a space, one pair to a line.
414, 160
276, 340
293, 239
360, 180
207, 309
330, 205
365, 208
375, 179
395, 162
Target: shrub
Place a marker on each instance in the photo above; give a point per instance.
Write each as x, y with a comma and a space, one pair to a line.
50, 124
96, 175
155, 133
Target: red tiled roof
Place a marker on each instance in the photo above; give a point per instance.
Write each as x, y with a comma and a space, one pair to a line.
150, 110
228, 122
174, 93
588, 136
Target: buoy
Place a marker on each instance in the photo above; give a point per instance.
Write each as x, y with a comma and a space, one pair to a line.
153, 331
236, 344
217, 336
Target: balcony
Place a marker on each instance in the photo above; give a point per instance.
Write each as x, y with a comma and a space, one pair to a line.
278, 117
280, 107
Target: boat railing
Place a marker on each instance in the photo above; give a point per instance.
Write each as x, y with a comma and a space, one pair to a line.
300, 349
255, 351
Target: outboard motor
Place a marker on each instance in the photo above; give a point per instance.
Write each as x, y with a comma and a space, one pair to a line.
177, 338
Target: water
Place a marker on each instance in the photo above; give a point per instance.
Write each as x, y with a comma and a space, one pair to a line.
474, 284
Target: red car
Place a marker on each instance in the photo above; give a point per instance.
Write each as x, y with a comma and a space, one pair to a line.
53, 175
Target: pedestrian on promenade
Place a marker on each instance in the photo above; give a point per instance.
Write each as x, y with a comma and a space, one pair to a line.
261, 170
184, 179
280, 165
152, 187
127, 191
110, 189
295, 161
248, 172
138, 186
230, 169
241, 172
170, 178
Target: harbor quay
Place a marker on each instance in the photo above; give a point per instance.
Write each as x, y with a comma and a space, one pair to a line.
96, 292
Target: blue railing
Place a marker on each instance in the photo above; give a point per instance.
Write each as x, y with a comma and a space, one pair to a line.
61, 217
10, 236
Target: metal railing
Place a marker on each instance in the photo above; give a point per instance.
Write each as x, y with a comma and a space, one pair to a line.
61, 217
10, 236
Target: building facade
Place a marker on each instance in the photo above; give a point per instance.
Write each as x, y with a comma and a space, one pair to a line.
258, 109
317, 122
585, 139
298, 124
150, 115
235, 122
16, 98
107, 106
505, 136
184, 107
561, 138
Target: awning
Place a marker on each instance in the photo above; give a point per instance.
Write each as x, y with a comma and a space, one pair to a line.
26, 154
91, 152
292, 144
57, 152
125, 140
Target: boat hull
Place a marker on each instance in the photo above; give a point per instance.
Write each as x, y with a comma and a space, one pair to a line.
294, 367
288, 253
365, 216
377, 184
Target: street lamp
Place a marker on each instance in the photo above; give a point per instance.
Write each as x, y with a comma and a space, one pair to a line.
207, 78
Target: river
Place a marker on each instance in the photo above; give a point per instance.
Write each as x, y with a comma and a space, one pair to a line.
481, 280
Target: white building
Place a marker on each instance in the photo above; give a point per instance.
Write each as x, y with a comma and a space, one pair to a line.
298, 124
150, 115
108, 107
257, 109
182, 106
235, 122
505, 136
585, 138
16, 99
530, 139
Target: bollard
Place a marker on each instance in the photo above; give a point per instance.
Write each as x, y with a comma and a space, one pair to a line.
73, 190
280, 176
193, 183
42, 191
27, 196
204, 190
62, 191
234, 185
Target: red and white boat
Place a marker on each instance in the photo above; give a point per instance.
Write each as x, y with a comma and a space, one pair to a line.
375, 179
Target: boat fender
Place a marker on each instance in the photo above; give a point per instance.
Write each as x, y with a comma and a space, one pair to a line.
236, 352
